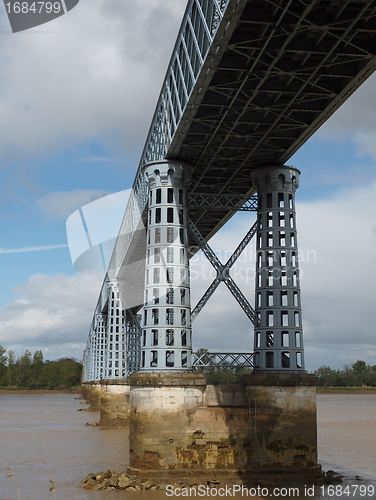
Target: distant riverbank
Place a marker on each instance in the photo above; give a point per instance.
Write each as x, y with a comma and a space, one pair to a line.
346, 390
77, 390
70, 390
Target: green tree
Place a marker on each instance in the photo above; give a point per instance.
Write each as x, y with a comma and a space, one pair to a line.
327, 377
11, 375
25, 369
38, 378
3, 365
360, 370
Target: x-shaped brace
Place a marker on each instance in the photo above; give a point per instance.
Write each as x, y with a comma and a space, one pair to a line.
223, 272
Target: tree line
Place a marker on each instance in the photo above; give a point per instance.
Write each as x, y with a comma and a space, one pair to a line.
30, 371
358, 374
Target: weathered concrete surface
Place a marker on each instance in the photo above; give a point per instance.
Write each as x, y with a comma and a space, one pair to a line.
179, 427
111, 399
284, 418
114, 404
91, 391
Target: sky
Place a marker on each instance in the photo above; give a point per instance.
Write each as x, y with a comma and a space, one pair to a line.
76, 100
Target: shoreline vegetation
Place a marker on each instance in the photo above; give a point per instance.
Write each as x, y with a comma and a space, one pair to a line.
29, 372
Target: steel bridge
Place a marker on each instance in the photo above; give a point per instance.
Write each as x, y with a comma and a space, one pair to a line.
248, 83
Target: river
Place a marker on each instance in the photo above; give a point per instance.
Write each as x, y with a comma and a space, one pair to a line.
44, 433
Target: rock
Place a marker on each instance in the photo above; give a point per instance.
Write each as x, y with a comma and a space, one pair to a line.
132, 488
333, 477
113, 481
106, 475
124, 482
98, 486
98, 475
88, 477
89, 485
162, 486
213, 482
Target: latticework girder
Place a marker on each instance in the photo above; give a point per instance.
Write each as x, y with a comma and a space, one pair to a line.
223, 272
207, 359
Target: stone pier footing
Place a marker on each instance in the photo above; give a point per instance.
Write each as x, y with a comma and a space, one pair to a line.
263, 428
111, 399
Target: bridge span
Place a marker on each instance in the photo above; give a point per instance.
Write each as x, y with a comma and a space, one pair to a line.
248, 83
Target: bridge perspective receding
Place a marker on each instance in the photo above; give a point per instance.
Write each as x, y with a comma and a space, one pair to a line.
248, 83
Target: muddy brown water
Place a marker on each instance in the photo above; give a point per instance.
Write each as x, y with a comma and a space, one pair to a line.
40, 433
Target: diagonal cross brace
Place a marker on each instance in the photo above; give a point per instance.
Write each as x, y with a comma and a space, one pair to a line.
223, 272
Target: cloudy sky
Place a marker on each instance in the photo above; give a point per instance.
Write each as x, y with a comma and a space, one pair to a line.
76, 99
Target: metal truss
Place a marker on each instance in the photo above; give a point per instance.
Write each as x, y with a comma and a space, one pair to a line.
223, 359
197, 32
229, 201
223, 272
248, 84
134, 334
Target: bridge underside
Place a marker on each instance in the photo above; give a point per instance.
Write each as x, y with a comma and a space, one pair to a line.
287, 66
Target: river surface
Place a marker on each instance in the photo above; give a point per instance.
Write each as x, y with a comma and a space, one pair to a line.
44, 433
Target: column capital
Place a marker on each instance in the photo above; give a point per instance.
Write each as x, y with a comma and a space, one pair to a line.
167, 173
276, 177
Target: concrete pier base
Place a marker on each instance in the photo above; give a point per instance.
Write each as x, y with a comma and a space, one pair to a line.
284, 420
91, 391
262, 428
111, 399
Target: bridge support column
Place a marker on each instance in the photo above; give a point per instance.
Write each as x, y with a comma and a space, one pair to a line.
278, 340
282, 396
166, 336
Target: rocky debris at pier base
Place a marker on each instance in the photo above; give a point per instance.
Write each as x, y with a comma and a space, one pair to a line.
112, 480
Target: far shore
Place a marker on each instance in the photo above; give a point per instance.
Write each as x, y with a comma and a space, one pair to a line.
77, 390
346, 390
72, 390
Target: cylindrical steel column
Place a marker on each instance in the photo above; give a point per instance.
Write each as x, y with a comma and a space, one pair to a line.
166, 338
278, 342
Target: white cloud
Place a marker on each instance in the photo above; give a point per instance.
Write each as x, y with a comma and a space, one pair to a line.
52, 313
31, 249
98, 75
356, 119
61, 204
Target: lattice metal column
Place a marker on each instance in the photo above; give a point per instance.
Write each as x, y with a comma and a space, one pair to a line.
278, 343
166, 336
133, 336
115, 361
